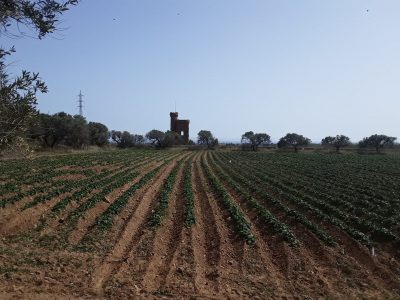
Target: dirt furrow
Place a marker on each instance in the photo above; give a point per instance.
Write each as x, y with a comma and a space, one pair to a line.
181, 271
9, 212
205, 239
125, 215
304, 265
166, 241
348, 259
268, 262
8, 222
228, 272
29, 217
129, 234
358, 263
54, 224
88, 220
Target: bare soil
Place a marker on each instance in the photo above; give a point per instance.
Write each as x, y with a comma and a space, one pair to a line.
205, 261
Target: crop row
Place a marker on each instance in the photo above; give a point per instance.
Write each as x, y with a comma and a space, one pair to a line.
251, 187
163, 198
339, 186
105, 221
378, 232
243, 227
325, 170
189, 196
375, 210
296, 199
45, 182
264, 214
41, 170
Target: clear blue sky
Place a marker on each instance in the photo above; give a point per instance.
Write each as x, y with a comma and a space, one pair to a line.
313, 67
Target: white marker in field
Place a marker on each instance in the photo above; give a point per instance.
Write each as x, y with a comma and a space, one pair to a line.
373, 251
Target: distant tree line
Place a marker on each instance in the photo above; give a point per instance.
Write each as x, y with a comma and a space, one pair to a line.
74, 131
251, 140
62, 129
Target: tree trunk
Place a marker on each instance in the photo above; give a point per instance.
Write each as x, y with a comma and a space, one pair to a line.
54, 142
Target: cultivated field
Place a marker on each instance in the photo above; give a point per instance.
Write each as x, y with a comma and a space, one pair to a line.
199, 224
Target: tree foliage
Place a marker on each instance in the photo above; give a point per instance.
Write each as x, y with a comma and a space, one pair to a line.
377, 141
98, 134
17, 101
156, 137
18, 97
41, 15
78, 132
68, 130
205, 137
164, 139
171, 138
51, 130
293, 140
255, 139
337, 142
124, 139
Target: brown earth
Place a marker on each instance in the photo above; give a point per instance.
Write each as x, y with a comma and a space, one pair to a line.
205, 261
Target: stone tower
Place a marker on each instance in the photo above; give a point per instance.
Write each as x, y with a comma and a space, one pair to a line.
181, 127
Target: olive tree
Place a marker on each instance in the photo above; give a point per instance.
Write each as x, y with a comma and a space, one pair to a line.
205, 137
98, 134
138, 139
171, 138
40, 15
51, 130
156, 137
255, 139
78, 133
123, 139
377, 141
18, 97
337, 142
293, 140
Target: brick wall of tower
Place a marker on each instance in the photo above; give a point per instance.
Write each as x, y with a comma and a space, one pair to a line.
181, 127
